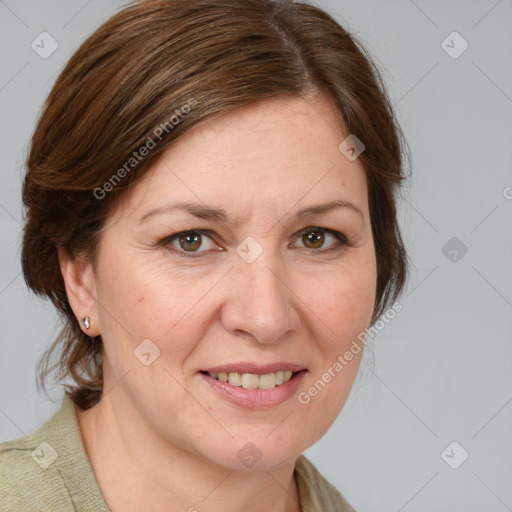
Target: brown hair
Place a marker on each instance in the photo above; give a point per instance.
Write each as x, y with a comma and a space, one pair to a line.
154, 71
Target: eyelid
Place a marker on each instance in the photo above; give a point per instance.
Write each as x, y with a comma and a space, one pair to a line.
333, 232
342, 240
167, 241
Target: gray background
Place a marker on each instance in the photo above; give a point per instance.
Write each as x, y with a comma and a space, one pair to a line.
441, 370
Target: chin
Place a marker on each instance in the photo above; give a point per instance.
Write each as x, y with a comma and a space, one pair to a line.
258, 452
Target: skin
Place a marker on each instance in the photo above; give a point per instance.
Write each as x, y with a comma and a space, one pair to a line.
160, 436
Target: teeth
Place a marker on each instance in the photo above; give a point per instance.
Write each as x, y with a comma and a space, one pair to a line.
253, 380
267, 381
235, 379
250, 380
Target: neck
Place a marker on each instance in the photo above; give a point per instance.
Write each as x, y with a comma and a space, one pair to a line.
138, 470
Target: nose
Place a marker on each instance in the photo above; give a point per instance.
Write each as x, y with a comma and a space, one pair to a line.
261, 305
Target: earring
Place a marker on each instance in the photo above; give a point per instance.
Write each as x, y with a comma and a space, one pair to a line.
87, 322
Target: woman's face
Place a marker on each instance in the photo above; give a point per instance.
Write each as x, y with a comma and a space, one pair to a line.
261, 284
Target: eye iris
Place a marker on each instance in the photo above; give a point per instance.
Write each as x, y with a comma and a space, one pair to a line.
314, 237
190, 241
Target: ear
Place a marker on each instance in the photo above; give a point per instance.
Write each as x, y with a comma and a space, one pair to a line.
80, 285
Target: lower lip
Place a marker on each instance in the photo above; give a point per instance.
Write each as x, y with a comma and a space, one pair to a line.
256, 398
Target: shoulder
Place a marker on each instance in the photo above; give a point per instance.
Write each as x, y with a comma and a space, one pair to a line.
315, 492
29, 479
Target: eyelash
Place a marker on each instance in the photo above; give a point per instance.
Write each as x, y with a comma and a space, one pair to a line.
167, 241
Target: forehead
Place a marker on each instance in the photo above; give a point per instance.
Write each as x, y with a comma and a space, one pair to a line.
264, 128
270, 155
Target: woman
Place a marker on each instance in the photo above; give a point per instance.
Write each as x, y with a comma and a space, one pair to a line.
210, 206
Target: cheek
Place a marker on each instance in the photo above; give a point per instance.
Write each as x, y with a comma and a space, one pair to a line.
146, 300
345, 300
354, 301
345, 311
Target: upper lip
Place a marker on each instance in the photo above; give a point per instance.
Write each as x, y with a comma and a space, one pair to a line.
262, 369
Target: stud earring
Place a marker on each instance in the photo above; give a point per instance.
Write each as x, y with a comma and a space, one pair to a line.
87, 322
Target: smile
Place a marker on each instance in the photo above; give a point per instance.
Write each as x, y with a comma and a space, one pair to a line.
254, 380
254, 387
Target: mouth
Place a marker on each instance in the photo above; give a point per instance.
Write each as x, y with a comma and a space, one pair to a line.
253, 380
255, 386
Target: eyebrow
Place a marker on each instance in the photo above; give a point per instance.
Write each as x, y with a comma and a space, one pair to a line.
220, 215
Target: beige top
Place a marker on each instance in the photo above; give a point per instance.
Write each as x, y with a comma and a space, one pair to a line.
49, 471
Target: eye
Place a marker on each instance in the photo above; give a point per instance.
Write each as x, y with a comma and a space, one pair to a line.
314, 238
188, 242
